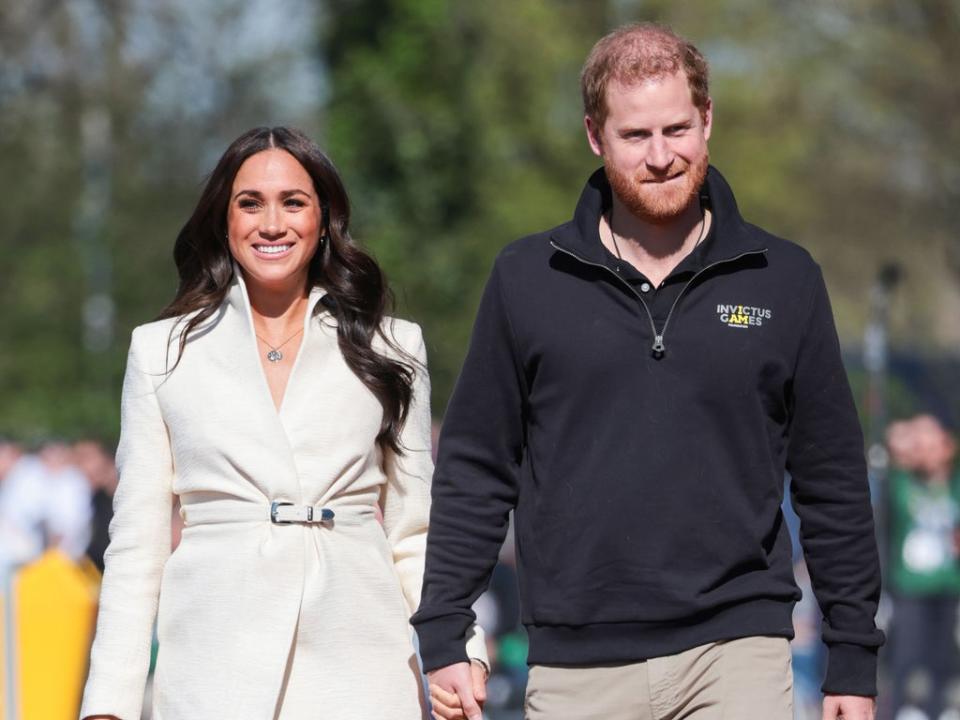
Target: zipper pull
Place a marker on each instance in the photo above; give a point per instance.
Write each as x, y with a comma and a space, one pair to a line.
658, 347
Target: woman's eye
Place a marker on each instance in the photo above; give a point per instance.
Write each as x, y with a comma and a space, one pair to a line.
247, 203
295, 203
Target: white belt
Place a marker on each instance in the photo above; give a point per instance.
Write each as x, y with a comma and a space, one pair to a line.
278, 513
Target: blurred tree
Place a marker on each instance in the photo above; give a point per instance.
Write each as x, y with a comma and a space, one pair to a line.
896, 149
457, 126
111, 114
836, 124
458, 129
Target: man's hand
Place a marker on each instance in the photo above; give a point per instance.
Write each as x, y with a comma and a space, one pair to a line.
458, 691
848, 707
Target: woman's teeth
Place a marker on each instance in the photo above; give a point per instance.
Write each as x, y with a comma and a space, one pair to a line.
272, 249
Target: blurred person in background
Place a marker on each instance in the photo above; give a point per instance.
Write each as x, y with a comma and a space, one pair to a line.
10, 453
97, 465
10, 535
638, 382
44, 503
280, 405
924, 567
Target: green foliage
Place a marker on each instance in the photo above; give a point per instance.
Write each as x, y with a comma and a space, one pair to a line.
105, 140
458, 129
457, 126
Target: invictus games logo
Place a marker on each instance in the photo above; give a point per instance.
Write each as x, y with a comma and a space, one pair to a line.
742, 316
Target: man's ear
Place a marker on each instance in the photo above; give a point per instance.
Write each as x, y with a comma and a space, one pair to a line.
593, 135
708, 119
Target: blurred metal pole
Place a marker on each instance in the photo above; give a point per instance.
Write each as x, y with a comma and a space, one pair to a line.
98, 307
9, 680
875, 360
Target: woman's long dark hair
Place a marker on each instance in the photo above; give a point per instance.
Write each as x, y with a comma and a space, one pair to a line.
357, 291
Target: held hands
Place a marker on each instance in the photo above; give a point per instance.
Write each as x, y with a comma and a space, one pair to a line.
848, 707
458, 691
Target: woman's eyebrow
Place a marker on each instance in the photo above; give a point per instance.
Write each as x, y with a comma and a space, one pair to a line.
285, 193
255, 193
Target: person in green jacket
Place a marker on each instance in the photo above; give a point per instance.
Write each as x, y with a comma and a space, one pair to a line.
924, 563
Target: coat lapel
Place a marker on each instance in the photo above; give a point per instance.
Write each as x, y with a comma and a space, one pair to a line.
240, 341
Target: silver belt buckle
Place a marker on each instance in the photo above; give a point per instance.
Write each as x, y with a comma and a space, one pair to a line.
275, 513
308, 513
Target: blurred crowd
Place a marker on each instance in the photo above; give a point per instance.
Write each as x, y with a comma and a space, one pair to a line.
59, 495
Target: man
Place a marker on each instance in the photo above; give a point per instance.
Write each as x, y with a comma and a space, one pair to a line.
638, 383
924, 565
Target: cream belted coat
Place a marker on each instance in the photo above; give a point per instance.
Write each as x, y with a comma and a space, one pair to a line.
260, 620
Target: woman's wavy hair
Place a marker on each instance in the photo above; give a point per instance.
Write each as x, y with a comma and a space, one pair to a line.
357, 291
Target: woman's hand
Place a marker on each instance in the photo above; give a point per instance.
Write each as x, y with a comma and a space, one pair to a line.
848, 707
458, 691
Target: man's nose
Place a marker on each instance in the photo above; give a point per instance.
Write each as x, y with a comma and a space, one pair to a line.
659, 155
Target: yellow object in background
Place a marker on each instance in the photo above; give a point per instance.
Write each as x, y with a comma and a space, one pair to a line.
54, 605
5, 697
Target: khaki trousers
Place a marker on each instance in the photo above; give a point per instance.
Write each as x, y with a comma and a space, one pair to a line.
745, 679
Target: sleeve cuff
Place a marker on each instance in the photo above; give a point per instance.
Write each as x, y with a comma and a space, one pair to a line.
851, 670
443, 641
476, 645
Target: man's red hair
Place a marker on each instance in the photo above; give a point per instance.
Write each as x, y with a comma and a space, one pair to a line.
636, 53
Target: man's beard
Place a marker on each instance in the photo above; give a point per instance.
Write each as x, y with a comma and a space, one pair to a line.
659, 203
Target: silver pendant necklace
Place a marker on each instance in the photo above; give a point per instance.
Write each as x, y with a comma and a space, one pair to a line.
275, 355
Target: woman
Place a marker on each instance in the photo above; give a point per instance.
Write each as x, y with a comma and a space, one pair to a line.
281, 406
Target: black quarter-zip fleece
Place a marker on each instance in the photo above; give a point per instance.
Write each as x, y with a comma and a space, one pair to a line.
644, 454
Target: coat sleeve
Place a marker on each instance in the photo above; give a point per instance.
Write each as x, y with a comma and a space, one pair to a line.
139, 547
405, 498
476, 483
832, 497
